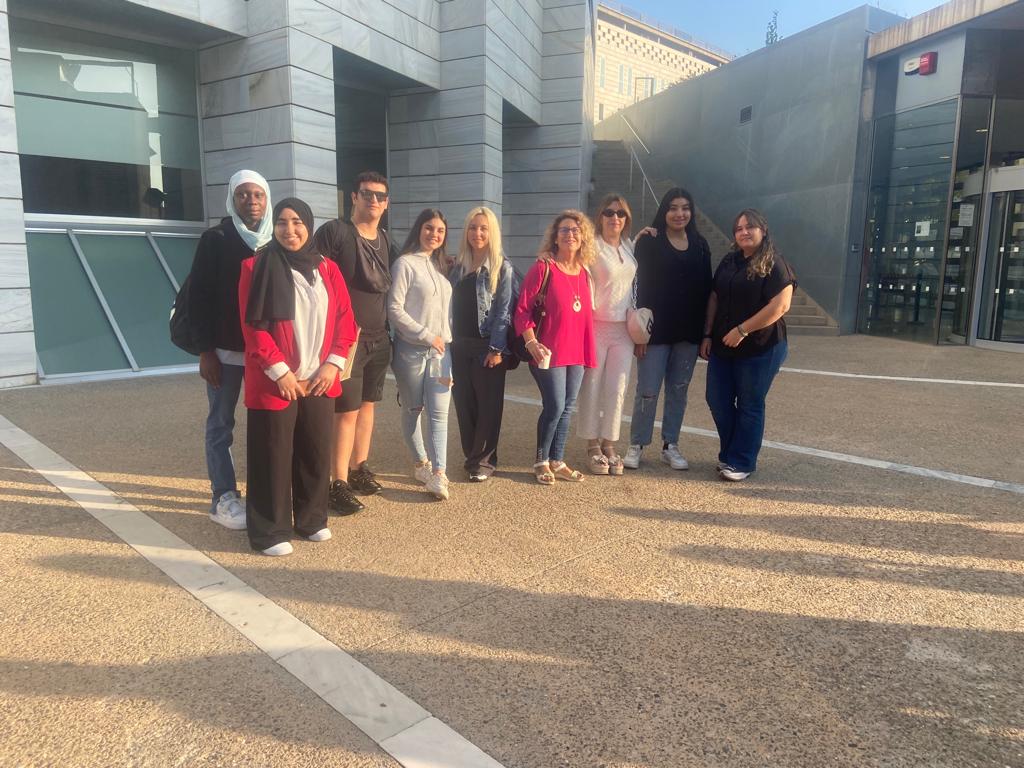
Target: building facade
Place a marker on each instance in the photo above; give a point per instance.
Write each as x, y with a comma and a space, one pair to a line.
888, 155
637, 57
121, 122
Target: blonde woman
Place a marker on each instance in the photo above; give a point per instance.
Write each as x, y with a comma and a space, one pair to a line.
559, 335
481, 293
745, 340
604, 386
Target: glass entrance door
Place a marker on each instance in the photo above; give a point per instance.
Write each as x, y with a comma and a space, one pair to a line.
1001, 315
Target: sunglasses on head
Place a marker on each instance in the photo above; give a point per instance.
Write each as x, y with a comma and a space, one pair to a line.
609, 212
369, 194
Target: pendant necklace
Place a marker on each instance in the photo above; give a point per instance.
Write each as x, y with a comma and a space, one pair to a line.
576, 304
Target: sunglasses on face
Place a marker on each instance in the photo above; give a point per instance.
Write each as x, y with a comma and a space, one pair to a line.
368, 195
609, 212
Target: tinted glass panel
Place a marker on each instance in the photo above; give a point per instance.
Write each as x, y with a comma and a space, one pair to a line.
72, 332
1002, 296
139, 295
106, 126
178, 253
361, 127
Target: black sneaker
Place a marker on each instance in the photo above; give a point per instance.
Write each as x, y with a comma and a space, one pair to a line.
363, 481
342, 500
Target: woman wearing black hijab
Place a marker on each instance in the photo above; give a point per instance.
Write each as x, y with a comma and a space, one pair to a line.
298, 327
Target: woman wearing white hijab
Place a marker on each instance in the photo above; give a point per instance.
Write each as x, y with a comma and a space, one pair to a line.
213, 315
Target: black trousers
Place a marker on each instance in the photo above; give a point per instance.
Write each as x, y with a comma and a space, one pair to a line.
289, 470
479, 395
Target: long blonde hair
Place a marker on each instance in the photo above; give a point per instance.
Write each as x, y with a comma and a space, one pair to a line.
763, 259
587, 254
495, 254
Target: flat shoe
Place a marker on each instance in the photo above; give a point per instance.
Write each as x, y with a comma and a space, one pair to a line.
542, 471
563, 472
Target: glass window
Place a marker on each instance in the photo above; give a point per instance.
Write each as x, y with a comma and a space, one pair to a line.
73, 334
361, 125
907, 207
600, 71
965, 220
622, 77
138, 293
178, 252
1008, 133
1002, 293
106, 126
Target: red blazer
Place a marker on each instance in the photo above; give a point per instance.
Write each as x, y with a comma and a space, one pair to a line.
264, 348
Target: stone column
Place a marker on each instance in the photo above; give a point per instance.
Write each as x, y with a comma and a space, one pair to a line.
268, 105
17, 340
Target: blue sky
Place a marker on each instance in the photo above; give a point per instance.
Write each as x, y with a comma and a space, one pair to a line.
739, 26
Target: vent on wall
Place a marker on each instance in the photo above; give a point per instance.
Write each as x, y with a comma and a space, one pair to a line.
746, 114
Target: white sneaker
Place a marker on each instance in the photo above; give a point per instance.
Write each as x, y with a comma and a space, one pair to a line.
673, 457
323, 534
423, 472
728, 473
438, 485
632, 458
279, 550
230, 511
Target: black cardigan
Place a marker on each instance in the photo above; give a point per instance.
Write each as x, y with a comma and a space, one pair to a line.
675, 286
213, 292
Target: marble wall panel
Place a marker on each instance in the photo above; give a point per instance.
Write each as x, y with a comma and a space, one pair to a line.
530, 225
242, 57
311, 91
560, 158
12, 221
389, 20
8, 130
225, 14
461, 73
564, 41
565, 17
314, 164
463, 43
246, 93
10, 175
542, 181
562, 89
265, 15
322, 198
269, 126
525, 17
18, 361
313, 128
461, 159
518, 45
310, 53
6, 84
522, 249
543, 202
5, 37
522, 98
544, 137
518, 69
564, 65
443, 188
13, 265
450, 132
427, 11
457, 14
274, 162
457, 102
563, 113
15, 310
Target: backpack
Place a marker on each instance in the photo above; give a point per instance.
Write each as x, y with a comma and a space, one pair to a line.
180, 324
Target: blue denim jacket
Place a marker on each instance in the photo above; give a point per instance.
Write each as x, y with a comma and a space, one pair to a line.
494, 313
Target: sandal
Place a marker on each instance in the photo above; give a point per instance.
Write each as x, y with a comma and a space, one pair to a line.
615, 465
542, 471
563, 472
599, 464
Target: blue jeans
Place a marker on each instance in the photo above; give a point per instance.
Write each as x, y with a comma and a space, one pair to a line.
220, 425
673, 364
418, 392
736, 392
558, 390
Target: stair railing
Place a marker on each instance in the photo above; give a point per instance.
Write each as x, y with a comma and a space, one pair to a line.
635, 160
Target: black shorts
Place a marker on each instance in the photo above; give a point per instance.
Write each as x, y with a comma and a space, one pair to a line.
366, 385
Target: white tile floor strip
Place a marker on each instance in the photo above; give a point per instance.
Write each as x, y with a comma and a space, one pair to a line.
908, 469
401, 727
883, 377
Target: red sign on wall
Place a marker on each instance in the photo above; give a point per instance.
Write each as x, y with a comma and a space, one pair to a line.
925, 64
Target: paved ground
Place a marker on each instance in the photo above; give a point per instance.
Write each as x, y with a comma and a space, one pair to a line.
823, 613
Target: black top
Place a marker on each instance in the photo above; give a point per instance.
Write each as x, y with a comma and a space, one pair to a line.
675, 286
464, 315
366, 267
740, 298
213, 292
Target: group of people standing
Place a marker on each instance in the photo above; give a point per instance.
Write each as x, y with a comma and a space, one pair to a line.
312, 321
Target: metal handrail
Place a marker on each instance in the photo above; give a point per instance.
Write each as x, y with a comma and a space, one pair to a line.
633, 131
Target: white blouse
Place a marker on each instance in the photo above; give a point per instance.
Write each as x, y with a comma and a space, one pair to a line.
613, 273
308, 327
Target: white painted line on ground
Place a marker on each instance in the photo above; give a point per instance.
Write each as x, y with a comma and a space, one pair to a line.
907, 469
399, 725
885, 377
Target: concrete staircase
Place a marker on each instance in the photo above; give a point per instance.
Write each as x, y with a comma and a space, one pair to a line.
611, 173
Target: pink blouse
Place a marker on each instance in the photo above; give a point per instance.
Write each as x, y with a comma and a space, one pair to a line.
567, 333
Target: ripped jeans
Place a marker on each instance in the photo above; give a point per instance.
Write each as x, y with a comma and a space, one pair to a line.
673, 364
417, 392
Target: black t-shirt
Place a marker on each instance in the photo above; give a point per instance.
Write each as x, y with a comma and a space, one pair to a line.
366, 267
464, 314
740, 298
675, 286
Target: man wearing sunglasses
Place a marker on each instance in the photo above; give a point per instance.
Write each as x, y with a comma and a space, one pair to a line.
363, 252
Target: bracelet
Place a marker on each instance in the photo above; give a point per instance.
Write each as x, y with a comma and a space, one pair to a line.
531, 341
707, 336
743, 333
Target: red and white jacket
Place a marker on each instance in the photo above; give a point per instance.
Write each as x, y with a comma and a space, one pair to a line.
265, 348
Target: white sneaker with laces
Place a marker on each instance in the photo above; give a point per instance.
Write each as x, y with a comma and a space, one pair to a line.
324, 534
230, 511
422, 472
632, 458
728, 473
673, 457
438, 485
279, 550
